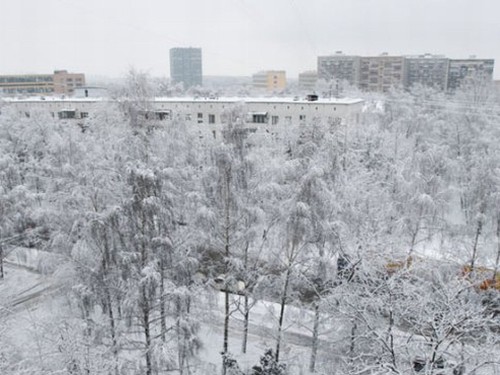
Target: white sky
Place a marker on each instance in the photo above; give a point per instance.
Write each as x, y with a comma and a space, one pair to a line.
238, 37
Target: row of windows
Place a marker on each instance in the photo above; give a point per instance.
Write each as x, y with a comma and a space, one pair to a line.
26, 79
256, 118
261, 119
29, 90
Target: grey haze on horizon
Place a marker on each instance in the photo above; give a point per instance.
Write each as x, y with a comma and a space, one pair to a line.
238, 37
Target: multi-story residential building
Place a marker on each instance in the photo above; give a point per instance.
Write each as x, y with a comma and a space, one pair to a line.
308, 80
186, 66
270, 80
428, 70
380, 73
460, 71
61, 83
339, 67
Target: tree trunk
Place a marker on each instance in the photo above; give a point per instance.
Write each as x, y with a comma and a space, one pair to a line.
180, 337
284, 298
147, 333
112, 326
497, 260
314, 349
1, 258
163, 312
226, 327
245, 325
246, 313
474, 248
227, 253
352, 347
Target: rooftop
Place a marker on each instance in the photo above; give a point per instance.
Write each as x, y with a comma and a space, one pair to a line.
195, 99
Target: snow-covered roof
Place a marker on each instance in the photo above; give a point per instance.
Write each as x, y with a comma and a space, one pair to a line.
275, 100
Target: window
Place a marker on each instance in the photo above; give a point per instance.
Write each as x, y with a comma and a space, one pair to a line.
302, 118
84, 114
334, 120
66, 114
211, 119
200, 118
259, 118
274, 120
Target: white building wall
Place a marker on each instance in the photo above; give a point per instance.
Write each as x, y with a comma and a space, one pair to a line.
212, 111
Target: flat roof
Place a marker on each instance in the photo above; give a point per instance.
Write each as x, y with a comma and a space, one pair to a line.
262, 100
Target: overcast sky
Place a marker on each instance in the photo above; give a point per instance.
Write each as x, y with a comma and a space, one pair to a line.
238, 37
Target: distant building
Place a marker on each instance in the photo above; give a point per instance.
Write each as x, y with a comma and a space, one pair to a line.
380, 73
270, 80
308, 80
339, 67
428, 70
465, 69
90, 92
186, 66
61, 82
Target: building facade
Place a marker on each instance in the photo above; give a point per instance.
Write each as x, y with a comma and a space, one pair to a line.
59, 83
65, 83
460, 71
270, 80
427, 70
270, 115
380, 73
339, 67
186, 66
308, 80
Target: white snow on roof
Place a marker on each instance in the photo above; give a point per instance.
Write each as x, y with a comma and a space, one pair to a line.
274, 100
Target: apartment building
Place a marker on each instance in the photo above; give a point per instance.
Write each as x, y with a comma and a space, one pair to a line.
339, 67
270, 80
186, 66
462, 70
308, 80
380, 73
428, 70
59, 83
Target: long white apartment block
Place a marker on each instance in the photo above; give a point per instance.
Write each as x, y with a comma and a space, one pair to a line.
212, 112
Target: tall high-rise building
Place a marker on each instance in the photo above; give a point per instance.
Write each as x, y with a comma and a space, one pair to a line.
460, 71
186, 66
427, 70
339, 67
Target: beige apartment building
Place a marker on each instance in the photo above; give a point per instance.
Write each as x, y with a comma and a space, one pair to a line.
270, 80
59, 83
